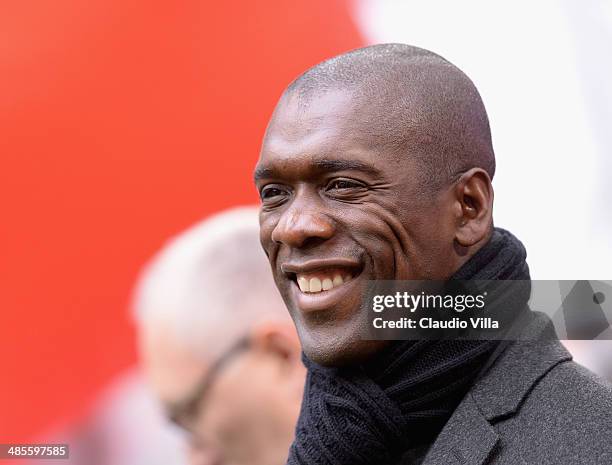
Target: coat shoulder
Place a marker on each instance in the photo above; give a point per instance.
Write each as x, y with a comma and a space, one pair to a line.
575, 390
565, 418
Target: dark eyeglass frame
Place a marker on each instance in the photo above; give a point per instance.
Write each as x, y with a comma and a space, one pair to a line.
183, 412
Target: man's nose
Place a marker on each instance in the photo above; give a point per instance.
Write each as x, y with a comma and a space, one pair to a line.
300, 226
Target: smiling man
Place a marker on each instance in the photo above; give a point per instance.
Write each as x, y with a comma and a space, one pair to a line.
377, 165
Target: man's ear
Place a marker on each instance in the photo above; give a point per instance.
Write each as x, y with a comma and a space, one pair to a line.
474, 212
278, 339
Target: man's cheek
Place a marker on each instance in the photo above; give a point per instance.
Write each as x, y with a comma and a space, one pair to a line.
270, 248
266, 240
380, 255
266, 227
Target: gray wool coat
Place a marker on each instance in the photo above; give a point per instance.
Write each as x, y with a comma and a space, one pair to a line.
534, 405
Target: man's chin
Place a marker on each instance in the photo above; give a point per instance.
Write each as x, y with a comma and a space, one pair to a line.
335, 336
341, 351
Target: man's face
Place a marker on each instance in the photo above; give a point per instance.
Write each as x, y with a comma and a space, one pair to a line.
338, 209
247, 414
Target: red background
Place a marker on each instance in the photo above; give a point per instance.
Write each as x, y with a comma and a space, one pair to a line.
121, 123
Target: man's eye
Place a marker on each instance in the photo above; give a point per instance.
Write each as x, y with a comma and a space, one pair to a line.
272, 193
340, 184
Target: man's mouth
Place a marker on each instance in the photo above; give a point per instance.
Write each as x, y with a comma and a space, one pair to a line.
322, 284
321, 281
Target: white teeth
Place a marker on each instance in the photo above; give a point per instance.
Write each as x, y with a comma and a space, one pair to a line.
315, 285
303, 283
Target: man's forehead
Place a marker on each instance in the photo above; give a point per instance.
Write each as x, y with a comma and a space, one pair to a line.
340, 125
324, 125
316, 105
322, 150
311, 118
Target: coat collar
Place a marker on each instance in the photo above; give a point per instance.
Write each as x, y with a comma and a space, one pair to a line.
469, 437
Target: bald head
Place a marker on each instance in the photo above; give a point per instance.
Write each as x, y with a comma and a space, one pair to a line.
409, 102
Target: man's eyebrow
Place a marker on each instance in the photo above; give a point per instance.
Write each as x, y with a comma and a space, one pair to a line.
328, 165
345, 165
262, 172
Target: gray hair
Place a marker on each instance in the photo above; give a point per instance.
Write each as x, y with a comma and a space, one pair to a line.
211, 283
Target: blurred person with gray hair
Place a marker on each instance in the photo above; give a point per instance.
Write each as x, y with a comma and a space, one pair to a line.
217, 344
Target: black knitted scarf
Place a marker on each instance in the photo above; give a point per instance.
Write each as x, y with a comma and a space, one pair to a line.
372, 414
